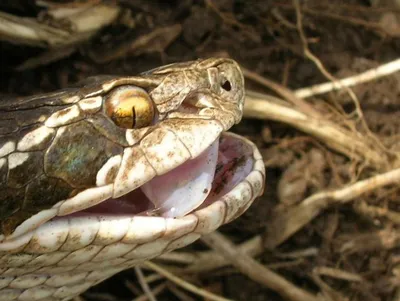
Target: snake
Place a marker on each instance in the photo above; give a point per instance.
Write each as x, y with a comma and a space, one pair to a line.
103, 175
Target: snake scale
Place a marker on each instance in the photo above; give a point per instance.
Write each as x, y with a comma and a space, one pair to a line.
101, 176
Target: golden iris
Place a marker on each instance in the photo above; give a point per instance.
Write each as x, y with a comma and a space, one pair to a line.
130, 107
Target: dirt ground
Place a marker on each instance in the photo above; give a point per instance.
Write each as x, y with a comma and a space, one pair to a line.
328, 224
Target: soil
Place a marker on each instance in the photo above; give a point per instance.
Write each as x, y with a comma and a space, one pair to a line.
350, 250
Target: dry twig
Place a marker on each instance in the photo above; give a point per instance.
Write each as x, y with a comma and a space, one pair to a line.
144, 284
367, 76
256, 271
157, 290
182, 283
353, 145
375, 212
329, 76
283, 225
211, 260
386, 239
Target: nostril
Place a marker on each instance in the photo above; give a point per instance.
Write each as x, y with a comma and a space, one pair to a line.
226, 85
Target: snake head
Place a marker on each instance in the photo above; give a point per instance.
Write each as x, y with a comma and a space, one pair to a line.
152, 144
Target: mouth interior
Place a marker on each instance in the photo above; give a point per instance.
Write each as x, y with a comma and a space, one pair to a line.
193, 185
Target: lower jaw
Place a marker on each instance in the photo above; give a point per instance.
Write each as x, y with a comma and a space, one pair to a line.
235, 162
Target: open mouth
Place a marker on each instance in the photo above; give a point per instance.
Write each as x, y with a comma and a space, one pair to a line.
237, 178
192, 185
223, 160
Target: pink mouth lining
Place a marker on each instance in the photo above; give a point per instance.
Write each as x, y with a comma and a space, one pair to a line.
235, 161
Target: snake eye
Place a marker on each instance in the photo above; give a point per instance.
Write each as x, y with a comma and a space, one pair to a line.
130, 107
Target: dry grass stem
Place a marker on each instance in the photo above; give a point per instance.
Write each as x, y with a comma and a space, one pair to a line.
318, 62
337, 273
309, 252
386, 239
282, 91
179, 293
328, 293
157, 290
184, 284
211, 260
329, 76
256, 271
283, 225
377, 212
351, 144
367, 76
144, 284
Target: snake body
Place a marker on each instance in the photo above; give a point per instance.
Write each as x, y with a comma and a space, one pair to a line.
68, 159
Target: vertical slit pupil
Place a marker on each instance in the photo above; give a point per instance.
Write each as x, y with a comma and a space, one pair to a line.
133, 117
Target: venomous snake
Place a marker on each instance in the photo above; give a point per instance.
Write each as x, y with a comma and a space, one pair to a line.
99, 177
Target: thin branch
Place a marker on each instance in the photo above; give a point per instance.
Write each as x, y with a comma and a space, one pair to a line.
367, 76
157, 290
283, 225
256, 271
282, 91
144, 285
338, 274
353, 145
375, 212
324, 71
182, 283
